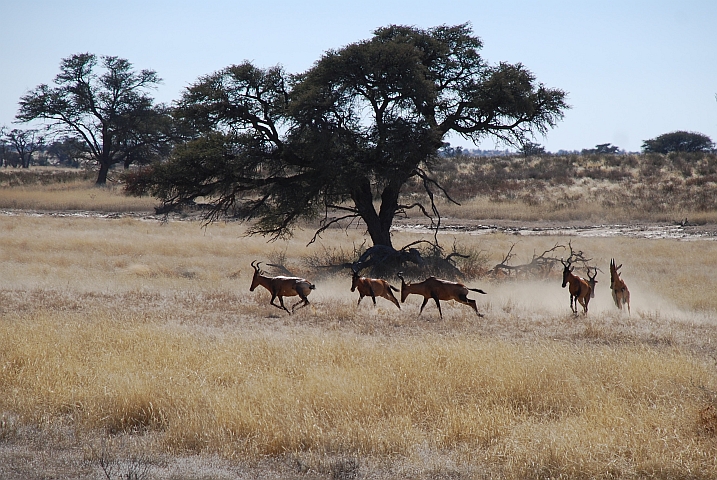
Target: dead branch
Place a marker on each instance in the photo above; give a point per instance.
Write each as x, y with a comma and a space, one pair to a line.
578, 257
540, 266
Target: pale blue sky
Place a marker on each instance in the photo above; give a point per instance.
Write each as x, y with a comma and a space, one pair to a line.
632, 69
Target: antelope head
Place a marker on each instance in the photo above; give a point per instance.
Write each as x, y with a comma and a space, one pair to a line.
354, 277
257, 273
592, 281
567, 270
613, 272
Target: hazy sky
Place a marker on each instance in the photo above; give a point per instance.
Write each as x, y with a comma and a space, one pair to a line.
633, 69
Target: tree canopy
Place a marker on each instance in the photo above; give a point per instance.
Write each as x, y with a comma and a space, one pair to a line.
340, 140
679, 141
106, 107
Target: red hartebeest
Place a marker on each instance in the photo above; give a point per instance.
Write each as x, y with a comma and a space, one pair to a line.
620, 293
580, 290
373, 287
438, 289
282, 287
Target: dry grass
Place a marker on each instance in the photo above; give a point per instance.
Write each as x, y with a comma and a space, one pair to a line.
585, 200
53, 189
522, 409
133, 346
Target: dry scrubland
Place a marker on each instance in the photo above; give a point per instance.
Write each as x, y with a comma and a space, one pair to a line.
132, 348
589, 188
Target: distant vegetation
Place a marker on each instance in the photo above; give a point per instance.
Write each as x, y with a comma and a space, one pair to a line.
608, 187
679, 141
589, 187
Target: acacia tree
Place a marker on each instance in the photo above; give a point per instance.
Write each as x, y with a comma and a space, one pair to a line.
340, 140
106, 107
679, 141
25, 143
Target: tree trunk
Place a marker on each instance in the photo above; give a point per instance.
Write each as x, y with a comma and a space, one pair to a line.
378, 229
379, 232
102, 175
378, 224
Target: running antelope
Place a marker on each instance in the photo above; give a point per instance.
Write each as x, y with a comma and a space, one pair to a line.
282, 287
438, 289
373, 287
620, 293
580, 290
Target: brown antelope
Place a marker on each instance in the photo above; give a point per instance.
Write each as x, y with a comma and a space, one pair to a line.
282, 287
373, 287
438, 289
620, 293
580, 290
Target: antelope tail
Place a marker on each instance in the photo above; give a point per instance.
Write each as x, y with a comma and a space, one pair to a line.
477, 290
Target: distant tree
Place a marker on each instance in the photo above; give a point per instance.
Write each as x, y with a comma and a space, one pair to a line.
68, 151
446, 150
344, 137
603, 148
679, 141
25, 143
606, 148
109, 111
529, 149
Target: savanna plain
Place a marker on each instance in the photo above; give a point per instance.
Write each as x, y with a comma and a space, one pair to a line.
131, 346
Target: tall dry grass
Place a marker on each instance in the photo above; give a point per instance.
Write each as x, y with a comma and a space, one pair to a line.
128, 328
519, 409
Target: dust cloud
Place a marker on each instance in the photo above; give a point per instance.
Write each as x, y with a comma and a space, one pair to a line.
523, 298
